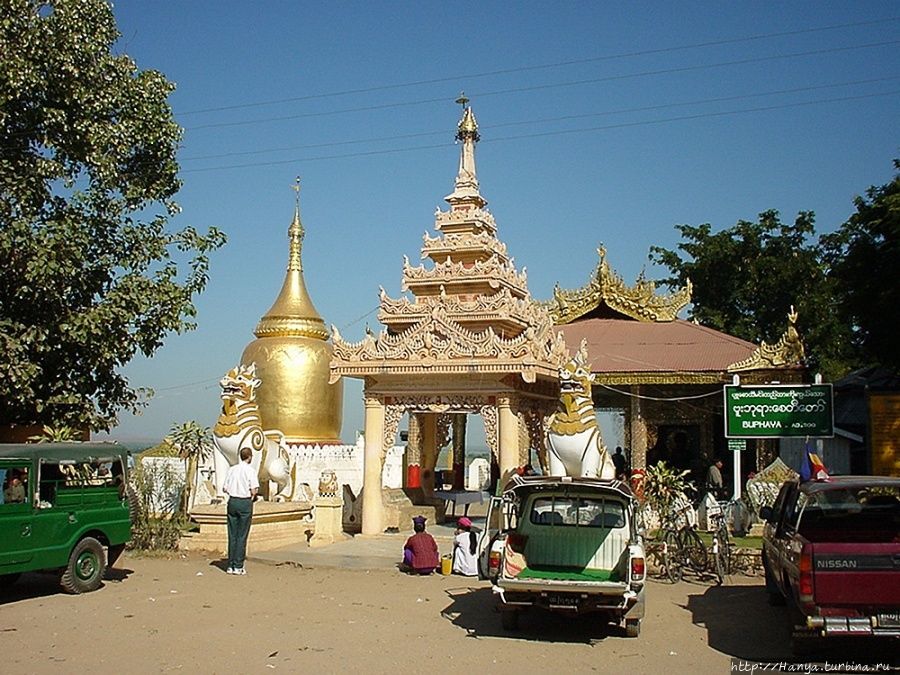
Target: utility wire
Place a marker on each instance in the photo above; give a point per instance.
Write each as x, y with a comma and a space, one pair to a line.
663, 106
543, 87
207, 383
643, 397
622, 125
543, 66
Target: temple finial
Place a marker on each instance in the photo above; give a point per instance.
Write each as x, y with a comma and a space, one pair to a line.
466, 193
296, 232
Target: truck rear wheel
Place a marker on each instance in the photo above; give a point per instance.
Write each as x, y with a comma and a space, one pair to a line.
509, 619
87, 565
632, 628
776, 599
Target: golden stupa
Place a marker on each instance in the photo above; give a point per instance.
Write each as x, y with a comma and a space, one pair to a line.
292, 356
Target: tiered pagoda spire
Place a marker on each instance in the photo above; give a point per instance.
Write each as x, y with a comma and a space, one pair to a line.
470, 301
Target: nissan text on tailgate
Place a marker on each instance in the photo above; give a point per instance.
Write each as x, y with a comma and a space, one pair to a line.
831, 549
566, 545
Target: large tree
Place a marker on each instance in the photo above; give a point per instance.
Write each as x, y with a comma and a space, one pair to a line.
747, 277
90, 275
863, 257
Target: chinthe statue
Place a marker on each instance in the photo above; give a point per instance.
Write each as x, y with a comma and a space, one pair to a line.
574, 443
240, 426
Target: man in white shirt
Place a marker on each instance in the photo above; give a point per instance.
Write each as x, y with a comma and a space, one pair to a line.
241, 486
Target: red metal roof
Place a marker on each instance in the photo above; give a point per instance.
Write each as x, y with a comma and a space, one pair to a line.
622, 345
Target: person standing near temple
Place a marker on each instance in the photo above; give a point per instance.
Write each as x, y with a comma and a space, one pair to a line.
714, 482
241, 485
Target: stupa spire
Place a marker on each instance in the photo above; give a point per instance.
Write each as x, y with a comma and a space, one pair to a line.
296, 233
293, 313
466, 192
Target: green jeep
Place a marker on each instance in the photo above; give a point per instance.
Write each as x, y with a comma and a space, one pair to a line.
65, 507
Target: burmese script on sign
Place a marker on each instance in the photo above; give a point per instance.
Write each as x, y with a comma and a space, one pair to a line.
768, 411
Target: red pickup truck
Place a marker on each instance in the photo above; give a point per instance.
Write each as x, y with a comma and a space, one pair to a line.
831, 549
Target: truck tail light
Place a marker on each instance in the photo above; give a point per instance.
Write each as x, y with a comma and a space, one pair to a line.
494, 562
637, 569
805, 583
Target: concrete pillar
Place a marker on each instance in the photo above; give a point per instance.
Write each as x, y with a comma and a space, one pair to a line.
373, 461
459, 452
638, 434
638, 431
413, 461
429, 452
508, 427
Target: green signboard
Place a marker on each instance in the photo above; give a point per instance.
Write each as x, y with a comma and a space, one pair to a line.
778, 411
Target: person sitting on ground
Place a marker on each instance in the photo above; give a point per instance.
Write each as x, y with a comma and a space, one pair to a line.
420, 553
465, 546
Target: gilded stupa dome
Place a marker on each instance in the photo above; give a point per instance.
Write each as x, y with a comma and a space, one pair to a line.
292, 356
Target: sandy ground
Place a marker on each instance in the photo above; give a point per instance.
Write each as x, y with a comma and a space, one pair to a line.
185, 614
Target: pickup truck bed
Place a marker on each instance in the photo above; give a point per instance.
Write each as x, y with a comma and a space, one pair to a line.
574, 549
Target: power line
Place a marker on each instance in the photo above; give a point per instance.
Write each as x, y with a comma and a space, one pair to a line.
663, 106
543, 66
547, 133
643, 397
543, 87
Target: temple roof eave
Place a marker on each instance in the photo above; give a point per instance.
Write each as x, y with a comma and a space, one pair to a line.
640, 302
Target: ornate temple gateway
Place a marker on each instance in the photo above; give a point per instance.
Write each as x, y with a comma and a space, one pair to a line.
664, 375
469, 340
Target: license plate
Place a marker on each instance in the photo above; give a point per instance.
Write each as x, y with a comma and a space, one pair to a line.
892, 619
563, 600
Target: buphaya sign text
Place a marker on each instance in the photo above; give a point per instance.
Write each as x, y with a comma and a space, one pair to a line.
773, 411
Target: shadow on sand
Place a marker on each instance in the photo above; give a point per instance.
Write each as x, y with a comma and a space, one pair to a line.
740, 623
42, 584
473, 608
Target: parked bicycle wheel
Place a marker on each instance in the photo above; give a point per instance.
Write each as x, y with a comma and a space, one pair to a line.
694, 550
673, 558
718, 559
726, 547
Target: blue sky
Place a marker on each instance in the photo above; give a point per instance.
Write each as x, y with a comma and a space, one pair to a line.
601, 123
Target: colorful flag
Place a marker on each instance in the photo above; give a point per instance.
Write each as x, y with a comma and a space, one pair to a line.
812, 467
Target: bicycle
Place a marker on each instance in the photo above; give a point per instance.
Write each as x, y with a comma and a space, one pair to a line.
682, 546
721, 545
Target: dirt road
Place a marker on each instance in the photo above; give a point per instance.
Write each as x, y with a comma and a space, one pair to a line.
185, 614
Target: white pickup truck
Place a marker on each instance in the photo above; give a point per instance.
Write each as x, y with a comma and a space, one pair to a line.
567, 545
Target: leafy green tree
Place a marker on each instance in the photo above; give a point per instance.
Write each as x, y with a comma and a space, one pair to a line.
863, 257
90, 274
194, 443
747, 277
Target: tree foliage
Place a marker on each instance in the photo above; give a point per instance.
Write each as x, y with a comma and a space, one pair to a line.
747, 277
863, 257
91, 275
194, 444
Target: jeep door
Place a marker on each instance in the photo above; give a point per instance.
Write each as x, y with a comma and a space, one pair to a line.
16, 541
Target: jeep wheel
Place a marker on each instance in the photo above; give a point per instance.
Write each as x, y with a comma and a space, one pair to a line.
87, 565
632, 628
509, 620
